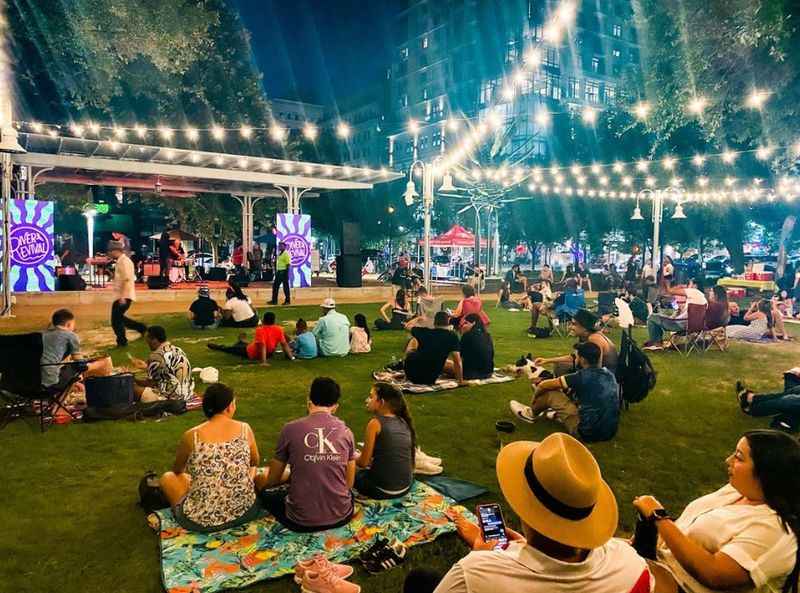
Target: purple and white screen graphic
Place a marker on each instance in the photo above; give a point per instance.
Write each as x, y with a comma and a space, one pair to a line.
295, 231
32, 257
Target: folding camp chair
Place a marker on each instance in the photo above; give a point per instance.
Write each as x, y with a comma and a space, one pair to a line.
692, 337
714, 334
21, 391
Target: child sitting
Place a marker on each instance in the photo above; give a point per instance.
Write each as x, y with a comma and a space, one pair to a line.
304, 345
360, 338
387, 461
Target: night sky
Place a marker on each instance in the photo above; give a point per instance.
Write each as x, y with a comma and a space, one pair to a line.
319, 50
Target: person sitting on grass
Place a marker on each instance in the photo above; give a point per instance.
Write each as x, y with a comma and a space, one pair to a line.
304, 345
568, 515
476, 348
504, 299
238, 310
213, 482
265, 343
321, 452
761, 323
583, 326
469, 304
401, 312
204, 312
428, 351
427, 307
332, 331
387, 461
516, 280
783, 406
658, 323
360, 337
585, 402
538, 301
169, 372
60, 343
742, 537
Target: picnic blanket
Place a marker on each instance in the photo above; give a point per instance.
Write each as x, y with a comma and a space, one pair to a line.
264, 549
458, 490
398, 379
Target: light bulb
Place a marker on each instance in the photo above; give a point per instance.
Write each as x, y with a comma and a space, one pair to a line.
246, 131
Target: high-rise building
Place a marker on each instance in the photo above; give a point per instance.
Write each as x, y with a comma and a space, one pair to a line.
451, 57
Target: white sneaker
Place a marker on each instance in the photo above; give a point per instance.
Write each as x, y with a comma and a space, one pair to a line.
420, 454
424, 467
521, 411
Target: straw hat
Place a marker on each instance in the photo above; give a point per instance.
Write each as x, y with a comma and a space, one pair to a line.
328, 303
556, 488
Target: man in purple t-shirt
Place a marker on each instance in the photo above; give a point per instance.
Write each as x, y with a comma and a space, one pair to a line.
320, 450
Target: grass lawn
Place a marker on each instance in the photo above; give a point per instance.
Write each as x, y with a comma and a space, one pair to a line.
69, 498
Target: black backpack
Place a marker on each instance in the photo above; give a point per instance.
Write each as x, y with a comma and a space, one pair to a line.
635, 373
151, 498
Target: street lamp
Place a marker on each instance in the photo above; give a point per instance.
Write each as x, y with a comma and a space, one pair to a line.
658, 215
428, 172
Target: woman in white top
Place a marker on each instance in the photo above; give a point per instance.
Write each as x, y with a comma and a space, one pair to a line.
360, 339
238, 310
744, 535
761, 323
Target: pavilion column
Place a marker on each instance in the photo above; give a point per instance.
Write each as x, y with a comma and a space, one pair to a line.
246, 201
292, 193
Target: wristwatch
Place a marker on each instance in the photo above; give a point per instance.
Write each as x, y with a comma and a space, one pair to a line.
659, 514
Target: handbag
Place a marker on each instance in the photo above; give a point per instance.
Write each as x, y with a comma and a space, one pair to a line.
106, 392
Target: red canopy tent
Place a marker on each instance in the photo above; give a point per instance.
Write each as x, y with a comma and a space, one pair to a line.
457, 236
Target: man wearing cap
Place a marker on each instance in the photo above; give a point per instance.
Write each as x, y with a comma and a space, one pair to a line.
204, 312
124, 293
332, 331
583, 326
568, 515
586, 402
282, 264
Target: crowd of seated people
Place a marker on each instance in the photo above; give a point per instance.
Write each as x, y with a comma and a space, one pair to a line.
400, 309
268, 337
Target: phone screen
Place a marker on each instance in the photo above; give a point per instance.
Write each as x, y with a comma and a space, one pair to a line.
492, 525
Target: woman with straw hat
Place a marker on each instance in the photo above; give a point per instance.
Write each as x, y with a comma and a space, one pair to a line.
568, 515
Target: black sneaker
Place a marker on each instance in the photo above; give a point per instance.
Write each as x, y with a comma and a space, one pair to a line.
386, 557
369, 553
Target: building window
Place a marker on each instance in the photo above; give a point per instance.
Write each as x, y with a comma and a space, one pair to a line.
595, 64
550, 86
551, 57
403, 100
428, 111
616, 31
592, 91
437, 140
437, 111
573, 88
424, 94
512, 50
487, 91
526, 86
611, 94
616, 53
537, 32
404, 53
425, 42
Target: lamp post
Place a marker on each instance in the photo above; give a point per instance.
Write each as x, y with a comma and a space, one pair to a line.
657, 197
428, 172
90, 213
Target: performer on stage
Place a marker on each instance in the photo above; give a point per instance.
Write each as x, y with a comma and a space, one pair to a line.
163, 254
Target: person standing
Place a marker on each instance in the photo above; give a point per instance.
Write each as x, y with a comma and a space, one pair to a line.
163, 254
255, 257
282, 265
124, 294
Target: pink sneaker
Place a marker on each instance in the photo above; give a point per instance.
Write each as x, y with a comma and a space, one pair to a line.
319, 563
327, 582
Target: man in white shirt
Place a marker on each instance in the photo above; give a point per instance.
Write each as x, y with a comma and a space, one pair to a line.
124, 293
568, 515
658, 323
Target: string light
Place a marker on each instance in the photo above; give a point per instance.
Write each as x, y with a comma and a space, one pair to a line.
140, 131
310, 132
728, 157
119, 133
217, 133
618, 167
763, 153
589, 115
192, 134
642, 165
642, 110
246, 131
697, 105
698, 160
756, 99
453, 124
343, 130
542, 117
413, 126
166, 133
668, 163
533, 57
94, 128
276, 132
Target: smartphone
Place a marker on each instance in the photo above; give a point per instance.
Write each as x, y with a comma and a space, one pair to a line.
493, 527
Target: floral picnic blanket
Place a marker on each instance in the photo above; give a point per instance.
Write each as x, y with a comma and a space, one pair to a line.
264, 549
398, 379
